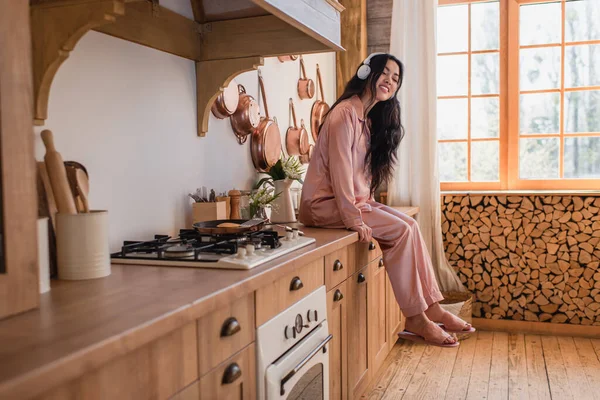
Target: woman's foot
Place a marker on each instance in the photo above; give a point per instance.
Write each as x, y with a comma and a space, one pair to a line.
422, 326
451, 322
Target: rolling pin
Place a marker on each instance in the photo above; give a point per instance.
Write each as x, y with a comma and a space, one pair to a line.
65, 203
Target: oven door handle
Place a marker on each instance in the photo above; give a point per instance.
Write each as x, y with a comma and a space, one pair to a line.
304, 361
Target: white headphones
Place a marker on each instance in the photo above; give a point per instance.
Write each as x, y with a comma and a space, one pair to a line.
365, 69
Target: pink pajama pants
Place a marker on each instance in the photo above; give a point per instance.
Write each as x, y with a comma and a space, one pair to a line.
406, 258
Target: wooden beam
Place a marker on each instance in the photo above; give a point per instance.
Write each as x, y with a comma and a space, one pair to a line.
55, 31
354, 40
266, 36
212, 77
198, 9
164, 30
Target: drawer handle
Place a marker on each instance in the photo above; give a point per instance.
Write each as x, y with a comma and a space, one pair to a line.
371, 246
337, 296
380, 262
296, 284
230, 327
337, 265
231, 374
361, 278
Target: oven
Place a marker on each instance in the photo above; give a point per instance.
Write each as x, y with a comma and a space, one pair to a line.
293, 352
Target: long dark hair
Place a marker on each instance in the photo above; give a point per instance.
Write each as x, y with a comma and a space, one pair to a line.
385, 118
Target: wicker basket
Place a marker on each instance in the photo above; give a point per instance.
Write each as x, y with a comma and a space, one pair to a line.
461, 305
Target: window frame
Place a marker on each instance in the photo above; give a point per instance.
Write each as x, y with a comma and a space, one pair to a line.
509, 134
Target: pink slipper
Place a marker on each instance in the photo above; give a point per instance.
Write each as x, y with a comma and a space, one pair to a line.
470, 330
420, 339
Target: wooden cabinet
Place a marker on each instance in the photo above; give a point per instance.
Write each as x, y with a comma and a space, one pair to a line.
336, 267
395, 321
357, 333
337, 311
234, 379
377, 298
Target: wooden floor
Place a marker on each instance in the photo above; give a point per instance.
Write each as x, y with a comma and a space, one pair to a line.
492, 365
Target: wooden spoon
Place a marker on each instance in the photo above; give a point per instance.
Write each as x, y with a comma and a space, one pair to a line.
83, 188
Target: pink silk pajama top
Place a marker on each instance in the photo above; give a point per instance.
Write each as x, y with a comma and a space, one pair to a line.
336, 189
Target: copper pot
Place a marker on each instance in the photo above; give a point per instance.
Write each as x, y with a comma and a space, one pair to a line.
306, 87
265, 146
319, 109
296, 139
305, 158
227, 101
291, 57
246, 117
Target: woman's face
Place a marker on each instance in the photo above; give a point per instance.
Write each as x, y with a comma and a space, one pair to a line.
387, 84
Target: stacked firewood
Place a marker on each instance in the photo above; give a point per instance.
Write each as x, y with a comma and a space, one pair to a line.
533, 258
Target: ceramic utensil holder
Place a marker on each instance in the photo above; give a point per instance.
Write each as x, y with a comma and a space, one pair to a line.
82, 245
209, 211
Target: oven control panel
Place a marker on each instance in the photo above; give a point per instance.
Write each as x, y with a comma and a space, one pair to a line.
302, 322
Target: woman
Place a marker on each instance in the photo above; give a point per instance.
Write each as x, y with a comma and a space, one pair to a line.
354, 154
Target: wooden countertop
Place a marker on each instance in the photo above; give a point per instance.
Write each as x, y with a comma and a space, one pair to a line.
80, 325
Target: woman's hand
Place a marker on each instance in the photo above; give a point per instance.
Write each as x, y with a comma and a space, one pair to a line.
365, 233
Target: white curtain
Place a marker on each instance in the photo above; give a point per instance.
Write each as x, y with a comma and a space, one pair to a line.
416, 180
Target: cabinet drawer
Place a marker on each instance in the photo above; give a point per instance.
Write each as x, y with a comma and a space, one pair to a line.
235, 379
279, 295
336, 267
364, 253
225, 332
192, 392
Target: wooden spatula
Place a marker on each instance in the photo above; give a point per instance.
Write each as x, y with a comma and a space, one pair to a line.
58, 176
83, 188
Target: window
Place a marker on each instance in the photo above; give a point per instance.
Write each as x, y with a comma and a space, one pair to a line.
519, 94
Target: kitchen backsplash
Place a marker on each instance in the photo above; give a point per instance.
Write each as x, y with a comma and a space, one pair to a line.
128, 113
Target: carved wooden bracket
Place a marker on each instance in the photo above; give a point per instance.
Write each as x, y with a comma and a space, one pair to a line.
211, 79
55, 31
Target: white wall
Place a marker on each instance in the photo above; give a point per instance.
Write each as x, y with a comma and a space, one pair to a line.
128, 113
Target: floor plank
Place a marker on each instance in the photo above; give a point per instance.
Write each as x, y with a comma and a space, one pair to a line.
388, 371
580, 389
480, 373
557, 376
517, 367
459, 381
498, 387
411, 359
536, 368
422, 381
590, 363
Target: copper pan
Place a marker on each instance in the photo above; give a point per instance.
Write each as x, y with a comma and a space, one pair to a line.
291, 57
246, 117
305, 158
227, 101
226, 226
296, 139
319, 109
265, 146
306, 87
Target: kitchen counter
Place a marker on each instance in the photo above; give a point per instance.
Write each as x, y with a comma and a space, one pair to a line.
80, 325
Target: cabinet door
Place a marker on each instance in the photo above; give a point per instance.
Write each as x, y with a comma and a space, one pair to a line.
394, 315
358, 345
337, 306
377, 299
234, 379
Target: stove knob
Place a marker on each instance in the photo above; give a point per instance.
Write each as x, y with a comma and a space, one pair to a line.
241, 253
308, 316
285, 332
316, 316
289, 236
295, 233
250, 249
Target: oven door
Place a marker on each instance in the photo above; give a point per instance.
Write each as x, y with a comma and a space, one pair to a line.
302, 372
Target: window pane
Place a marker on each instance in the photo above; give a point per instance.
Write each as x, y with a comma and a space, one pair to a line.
582, 111
538, 158
452, 75
453, 29
485, 117
484, 161
582, 157
452, 118
582, 65
539, 113
485, 73
453, 161
540, 68
540, 24
485, 26
583, 20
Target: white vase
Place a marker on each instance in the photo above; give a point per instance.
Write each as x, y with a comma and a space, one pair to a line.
282, 211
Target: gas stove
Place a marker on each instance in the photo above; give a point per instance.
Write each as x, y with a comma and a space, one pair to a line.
193, 249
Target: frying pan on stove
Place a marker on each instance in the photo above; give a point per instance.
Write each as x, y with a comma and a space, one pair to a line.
229, 226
